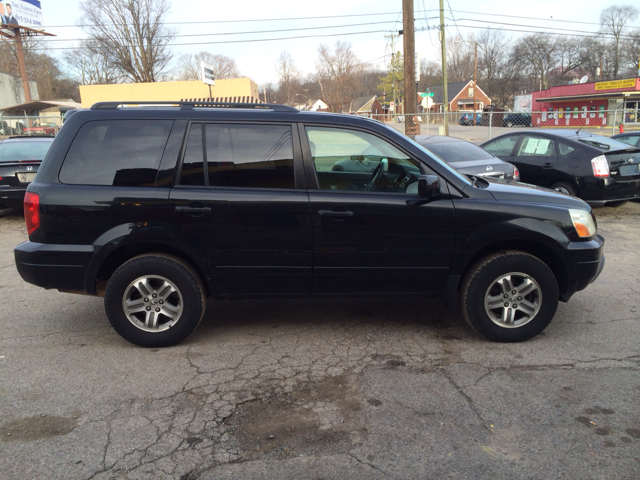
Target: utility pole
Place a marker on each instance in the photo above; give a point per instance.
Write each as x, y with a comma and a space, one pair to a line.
475, 85
16, 33
445, 94
409, 43
393, 78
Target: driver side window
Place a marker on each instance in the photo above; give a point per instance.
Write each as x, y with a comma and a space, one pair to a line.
356, 161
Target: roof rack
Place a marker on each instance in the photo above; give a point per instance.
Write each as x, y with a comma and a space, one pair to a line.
191, 105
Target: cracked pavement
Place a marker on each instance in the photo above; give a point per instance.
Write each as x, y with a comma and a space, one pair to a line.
323, 388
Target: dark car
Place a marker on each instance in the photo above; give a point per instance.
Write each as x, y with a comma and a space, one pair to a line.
467, 158
467, 119
632, 138
20, 158
158, 208
517, 120
592, 167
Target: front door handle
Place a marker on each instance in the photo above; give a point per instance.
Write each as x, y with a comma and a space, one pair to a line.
333, 213
547, 165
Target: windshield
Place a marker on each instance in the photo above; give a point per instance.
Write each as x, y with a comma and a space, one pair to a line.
464, 178
604, 143
15, 151
458, 151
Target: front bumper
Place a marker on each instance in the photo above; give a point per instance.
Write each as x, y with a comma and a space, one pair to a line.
584, 262
62, 267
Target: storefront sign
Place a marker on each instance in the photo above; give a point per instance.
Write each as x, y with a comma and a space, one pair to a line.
626, 83
26, 13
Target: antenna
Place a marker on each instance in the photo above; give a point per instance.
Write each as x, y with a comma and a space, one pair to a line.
584, 79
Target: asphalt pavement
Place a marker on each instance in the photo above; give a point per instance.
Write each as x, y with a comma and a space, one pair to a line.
323, 388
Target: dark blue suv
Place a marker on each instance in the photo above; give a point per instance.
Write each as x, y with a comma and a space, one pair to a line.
159, 207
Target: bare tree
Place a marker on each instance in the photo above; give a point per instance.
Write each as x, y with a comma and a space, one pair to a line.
131, 34
613, 21
188, 67
571, 56
337, 72
91, 66
460, 57
630, 49
287, 75
536, 54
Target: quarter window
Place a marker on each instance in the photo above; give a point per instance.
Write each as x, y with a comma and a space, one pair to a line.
502, 146
565, 149
116, 152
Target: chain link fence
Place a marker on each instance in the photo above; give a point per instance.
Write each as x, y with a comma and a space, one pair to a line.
29, 126
487, 125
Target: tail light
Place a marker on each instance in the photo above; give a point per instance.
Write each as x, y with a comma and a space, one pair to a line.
600, 167
516, 174
32, 211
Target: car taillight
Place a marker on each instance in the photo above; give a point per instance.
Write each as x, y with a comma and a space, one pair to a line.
32, 211
600, 166
516, 174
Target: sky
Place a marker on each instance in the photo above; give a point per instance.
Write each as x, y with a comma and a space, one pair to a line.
257, 60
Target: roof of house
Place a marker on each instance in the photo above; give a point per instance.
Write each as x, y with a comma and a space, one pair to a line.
360, 104
453, 89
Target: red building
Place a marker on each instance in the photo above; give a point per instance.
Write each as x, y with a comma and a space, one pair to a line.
588, 104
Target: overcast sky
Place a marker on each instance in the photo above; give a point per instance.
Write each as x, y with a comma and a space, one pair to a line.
257, 59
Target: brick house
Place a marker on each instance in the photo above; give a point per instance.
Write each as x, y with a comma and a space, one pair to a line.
460, 97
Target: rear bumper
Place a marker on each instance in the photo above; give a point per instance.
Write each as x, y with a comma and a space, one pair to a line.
609, 190
62, 267
11, 196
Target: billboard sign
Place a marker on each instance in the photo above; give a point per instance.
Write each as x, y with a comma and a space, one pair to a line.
208, 75
25, 13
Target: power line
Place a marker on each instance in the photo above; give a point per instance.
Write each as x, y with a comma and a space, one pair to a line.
555, 29
238, 33
246, 20
230, 41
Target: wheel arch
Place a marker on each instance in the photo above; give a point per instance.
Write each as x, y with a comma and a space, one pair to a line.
107, 266
537, 249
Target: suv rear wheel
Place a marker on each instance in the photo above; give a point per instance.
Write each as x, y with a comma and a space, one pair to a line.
509, 297
155, 300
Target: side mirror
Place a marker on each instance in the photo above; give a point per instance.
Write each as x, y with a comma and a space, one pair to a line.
429, 186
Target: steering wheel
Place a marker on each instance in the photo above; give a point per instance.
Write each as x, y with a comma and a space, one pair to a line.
377, 173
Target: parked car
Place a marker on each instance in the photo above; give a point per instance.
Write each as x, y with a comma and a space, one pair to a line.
48, 130
159, 208
632, 138
467, 119
6, 129
20, 158
594, 168
517, 120
467, 158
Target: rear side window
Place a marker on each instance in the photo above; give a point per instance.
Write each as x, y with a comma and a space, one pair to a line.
117, 153
245, 156
502, 146
629, 139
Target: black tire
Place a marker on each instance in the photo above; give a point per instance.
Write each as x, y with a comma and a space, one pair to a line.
159, 267
619, 203
568, 188
482, 277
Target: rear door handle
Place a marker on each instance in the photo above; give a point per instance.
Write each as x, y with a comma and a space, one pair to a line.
200, 210
333, 213
547, 165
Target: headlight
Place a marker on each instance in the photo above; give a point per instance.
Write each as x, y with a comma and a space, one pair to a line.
583, 223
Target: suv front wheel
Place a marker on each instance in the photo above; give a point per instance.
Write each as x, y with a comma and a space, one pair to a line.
155, 300
509, 297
